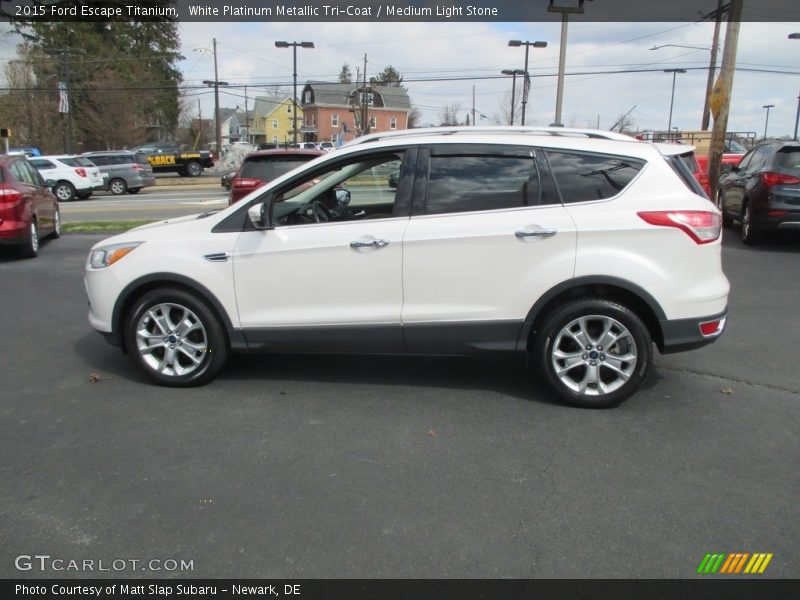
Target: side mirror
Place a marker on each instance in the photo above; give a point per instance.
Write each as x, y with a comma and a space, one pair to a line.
342, 197
259, 214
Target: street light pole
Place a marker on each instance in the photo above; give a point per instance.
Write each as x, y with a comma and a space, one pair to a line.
562, 51
766, 121
517, 43
513, 73
294, 46
672, 98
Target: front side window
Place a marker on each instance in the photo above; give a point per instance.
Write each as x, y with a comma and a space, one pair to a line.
481, 179
357, 189
584, 177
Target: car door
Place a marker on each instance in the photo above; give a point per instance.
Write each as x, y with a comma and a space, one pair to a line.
487, 237
42, 201
746, 177
333, 285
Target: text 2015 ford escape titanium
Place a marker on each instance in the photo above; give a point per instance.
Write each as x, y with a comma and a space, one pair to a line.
579, 249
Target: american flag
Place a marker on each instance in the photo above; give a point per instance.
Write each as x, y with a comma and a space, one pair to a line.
63, 97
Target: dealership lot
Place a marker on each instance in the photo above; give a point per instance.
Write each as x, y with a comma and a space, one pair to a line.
305, 466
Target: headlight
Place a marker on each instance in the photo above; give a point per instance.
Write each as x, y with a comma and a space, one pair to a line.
106, 256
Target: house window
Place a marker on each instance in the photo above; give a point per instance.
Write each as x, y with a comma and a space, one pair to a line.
373, 122
393, 123
288, 108
274, 139
274, 123
334, 138
307, 97
335, 120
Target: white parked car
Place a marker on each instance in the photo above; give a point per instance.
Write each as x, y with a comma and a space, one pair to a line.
577, 249
75, 176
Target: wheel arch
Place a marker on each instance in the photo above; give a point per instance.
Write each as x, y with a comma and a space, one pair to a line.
139, 287
608, 288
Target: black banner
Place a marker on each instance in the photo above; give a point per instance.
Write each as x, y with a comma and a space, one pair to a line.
382, 589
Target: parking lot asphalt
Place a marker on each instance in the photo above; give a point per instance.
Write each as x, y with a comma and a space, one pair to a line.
344, 467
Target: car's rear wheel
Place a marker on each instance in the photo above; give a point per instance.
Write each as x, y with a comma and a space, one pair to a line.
31, 247
194, 169
593, 353
117, 186
749, 235
175, 338
64, 191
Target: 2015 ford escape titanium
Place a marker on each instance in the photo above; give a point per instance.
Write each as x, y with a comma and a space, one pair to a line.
579, 249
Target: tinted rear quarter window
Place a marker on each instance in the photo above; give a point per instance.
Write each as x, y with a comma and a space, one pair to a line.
583, 177
268, 168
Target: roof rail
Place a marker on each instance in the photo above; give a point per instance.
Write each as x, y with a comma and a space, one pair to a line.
473, 130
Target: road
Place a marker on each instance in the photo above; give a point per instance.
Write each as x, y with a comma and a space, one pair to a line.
151, 203
343, 467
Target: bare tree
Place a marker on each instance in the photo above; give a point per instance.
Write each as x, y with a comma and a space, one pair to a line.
504, 118
449, 114
414, 117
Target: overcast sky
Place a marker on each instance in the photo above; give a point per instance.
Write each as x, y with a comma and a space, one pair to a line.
424, 51
246, 54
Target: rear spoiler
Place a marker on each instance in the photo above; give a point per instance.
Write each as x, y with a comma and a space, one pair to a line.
674, 149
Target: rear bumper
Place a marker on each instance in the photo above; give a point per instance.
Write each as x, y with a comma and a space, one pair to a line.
679, 335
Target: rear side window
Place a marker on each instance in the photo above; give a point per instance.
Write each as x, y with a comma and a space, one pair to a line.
789, 158
584, 177
101, 161
685, 167
77, 161
268, 168
478, 182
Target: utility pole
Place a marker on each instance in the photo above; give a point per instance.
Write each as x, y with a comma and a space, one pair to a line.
246, 117
215, 84
562, 51
712, 66
364, 103
473, 106
720, 100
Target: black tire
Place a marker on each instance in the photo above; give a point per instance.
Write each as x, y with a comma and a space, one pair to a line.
134, 190
726, 220
573, 385
749, 235
205, 339
117, 186
64, 191
56, 226
194, 169
31, 248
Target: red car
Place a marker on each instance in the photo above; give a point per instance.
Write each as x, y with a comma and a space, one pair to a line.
28, 209
263, 166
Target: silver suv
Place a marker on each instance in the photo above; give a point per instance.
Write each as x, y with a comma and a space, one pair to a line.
123, 171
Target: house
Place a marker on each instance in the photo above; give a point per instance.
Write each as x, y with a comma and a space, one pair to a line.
332, 111
272, 120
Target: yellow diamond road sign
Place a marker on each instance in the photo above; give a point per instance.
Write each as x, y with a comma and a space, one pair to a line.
719, 96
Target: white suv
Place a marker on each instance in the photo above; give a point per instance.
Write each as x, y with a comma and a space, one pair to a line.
577, 249
75, 176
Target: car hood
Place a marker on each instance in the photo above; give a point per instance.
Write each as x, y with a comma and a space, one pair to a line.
160, 230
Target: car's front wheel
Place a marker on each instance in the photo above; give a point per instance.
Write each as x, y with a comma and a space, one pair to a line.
175, 338
117, 186
593, 353
194, 169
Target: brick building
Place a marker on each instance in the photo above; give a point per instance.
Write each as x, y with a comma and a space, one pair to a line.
331, 110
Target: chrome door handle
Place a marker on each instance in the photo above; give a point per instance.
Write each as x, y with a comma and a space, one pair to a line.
370, 244
542, 233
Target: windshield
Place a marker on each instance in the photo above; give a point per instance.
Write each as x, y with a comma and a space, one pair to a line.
268, 168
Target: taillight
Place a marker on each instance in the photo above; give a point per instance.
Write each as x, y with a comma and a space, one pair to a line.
8, 195
80, 172
770, 179
138, 167
245, 182
702, 226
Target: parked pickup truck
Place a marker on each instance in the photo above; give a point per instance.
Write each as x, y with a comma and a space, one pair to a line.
168, 158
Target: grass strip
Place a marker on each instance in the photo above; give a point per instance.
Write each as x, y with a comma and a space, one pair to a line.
103, 226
